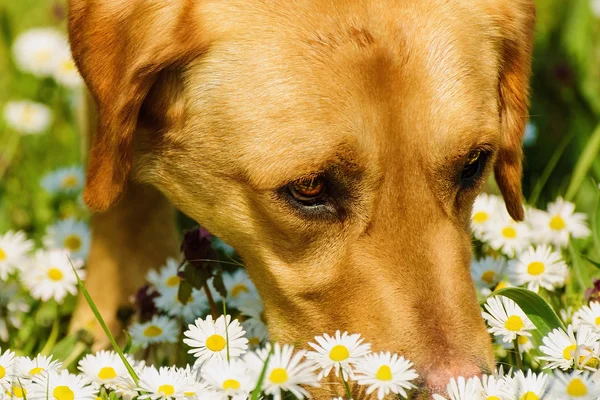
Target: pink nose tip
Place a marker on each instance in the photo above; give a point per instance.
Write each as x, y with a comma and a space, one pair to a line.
436, 380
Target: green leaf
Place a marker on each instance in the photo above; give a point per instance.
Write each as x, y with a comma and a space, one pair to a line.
541, 314
64, 347
584, 163
5, 27
129, 342
184, 292
219, 285
594, 263
197, 277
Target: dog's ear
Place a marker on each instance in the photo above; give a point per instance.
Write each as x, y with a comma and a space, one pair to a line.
120, 46
516, 25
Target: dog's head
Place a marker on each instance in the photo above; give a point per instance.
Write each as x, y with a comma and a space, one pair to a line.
337, 145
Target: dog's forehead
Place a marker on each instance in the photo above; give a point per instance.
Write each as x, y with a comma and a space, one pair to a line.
352, 79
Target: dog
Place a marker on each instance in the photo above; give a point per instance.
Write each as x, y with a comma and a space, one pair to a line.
337, 145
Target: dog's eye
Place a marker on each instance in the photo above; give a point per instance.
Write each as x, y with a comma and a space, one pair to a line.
308, 190
474, 166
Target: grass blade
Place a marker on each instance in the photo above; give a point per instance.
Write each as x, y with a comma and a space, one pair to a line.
584, 163
261, 378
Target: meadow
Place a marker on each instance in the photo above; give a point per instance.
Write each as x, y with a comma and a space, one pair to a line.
198, 332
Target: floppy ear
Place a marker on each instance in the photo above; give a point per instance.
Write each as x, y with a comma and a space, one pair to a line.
120, 46
517, 26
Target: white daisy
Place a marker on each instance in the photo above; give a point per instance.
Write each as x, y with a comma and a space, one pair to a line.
559, 223
527, 387
385, 373
65, 71
35, 50
27, 368
238, 287
285, 371
71, 235
14, 247
494, 387
341, 351
506, 235
61, 385
254, 323
574, 386
159, 329
6, 368
196, 388
537, 267
487, 272
64, 180
50, 275
168, 301
485, 208
213, 339
164, 383
228, 378
462, 389
589, 315
506, 319
565, 349
166, 277
104, 367
27, 117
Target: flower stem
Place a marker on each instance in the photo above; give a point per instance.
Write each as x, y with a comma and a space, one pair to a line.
518, 354
211, 301
226, 328
348, 392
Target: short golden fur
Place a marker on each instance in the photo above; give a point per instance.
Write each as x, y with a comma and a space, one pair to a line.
220, 104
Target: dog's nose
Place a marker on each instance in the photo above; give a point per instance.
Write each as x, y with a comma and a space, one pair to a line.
436, 380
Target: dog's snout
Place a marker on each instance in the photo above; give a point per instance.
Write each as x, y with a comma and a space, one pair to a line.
436, 380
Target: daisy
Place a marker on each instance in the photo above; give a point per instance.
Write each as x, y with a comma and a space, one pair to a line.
485, 208
589, 315
494, 387
506, 319
565, 349
537, 267
166, 277
559, 223
574, 386
35, 50
103, 368
255, 322
50, 275
341, 351
164, 383
168, 301
214, 339
71, 235
64, 180
385, 373
61, 385
27, 117
285, 371
238, 287
6, 368
65, 71
228, 378
527, 387
462, 389
14, 247
196, 388
159, 329
506, 235
27, 368
487, 272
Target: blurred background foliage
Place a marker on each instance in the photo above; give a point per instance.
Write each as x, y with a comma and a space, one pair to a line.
565, 113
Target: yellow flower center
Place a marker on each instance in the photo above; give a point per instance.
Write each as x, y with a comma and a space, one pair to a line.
153, 331
173, 281
577, 388
480, 217
568, 352
238, 289
36, 370
215, 343
231, 384
2, 255
501, 285
384, 373
166, 390
18, 392
28, 114
597, 321
493, 398
536, 268
509, 232
63, 393
2, 372
488, 277
189, 394
592, 362
72, 242
107, 373
254, 341
557, 223
68, 182
69, 66
529, 396
514, 323
55, 274
278, 376
523, 340
339, 353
